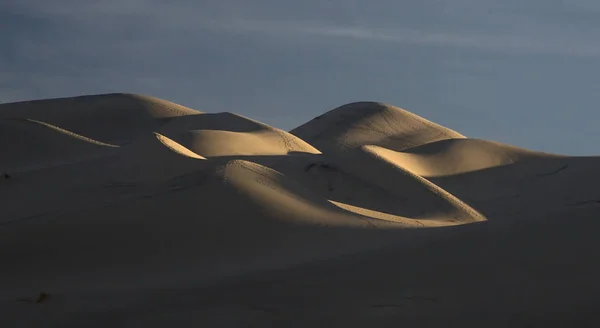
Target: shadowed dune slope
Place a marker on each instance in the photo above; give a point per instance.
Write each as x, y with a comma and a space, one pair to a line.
112, 118
133, 211
427, 200
28, 144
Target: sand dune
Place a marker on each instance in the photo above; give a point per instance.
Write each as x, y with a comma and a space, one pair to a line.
111, 118
27, 144
457, 156
370, 123
128, 211
227, 134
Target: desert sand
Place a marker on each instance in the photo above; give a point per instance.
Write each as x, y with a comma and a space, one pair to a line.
124, 210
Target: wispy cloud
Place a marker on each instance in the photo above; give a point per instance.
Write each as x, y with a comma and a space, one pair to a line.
536, 43
119, 43
442, 25
509, 30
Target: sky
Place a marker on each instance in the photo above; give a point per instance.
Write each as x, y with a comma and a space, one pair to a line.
522, 72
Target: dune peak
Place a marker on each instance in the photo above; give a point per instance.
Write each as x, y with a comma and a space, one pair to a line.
371, 123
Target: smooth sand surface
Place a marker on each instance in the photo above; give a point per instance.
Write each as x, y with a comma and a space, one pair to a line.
123, 210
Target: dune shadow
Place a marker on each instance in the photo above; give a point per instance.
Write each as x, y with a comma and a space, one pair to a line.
529, 186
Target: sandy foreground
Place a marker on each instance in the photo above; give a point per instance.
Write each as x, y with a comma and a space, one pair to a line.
122, 210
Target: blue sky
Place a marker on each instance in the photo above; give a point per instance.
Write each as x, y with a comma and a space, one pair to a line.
514, 71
